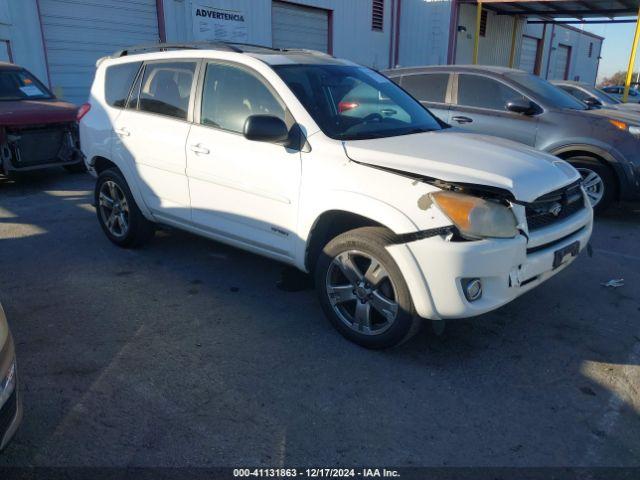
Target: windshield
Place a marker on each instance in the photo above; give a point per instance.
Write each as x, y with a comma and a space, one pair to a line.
552, 95
21, 85
604, 97
355, 103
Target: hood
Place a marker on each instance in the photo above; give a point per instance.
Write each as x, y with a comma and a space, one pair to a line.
624, 115
630, 107
20, 113
469, 158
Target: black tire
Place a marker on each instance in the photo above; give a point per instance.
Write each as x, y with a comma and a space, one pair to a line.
139, 230
79, 167
370, 241
588, 164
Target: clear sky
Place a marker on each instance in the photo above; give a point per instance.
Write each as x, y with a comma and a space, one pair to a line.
616, 48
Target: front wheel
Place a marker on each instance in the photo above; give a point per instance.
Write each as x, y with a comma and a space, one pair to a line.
597, 180
118, 213
362, 290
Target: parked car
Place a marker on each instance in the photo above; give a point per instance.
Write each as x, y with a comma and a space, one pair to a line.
10, 404
617, 91
594, 97
601, 144
397, 216
36, 129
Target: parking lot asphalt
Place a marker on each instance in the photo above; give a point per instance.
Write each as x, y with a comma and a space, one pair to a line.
185, 353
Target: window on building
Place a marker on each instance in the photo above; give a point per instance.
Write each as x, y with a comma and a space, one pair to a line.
166, 88
590, 49
427, 88
231, 94
483, 23
377, 15
484, 92
118, 80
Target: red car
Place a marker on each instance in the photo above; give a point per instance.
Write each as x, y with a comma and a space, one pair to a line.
36, 129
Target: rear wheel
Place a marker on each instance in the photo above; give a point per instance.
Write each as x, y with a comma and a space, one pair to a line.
598, 181
362, 290
118, 213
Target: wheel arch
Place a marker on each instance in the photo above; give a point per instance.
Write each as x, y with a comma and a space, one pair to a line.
596, 153
100, 163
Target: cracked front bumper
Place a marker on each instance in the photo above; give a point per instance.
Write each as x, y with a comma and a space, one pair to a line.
507, 268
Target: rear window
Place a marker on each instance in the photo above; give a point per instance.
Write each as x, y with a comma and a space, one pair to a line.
118, 80
427, 87
17, 84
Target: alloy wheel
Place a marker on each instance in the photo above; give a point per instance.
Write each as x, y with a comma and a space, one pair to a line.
593, 184
114, 209
361, 292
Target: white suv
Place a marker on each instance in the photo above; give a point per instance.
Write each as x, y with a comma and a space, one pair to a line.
332, 168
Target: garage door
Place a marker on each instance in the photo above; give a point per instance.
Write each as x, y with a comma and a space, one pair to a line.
295, 26
529, 54
78, 32
561, 67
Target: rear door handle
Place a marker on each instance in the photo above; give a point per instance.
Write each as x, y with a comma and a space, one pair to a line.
123, 132
198, 149
463, 119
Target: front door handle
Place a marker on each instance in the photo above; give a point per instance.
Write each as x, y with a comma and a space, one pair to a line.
463, 119
123, 132
198, 149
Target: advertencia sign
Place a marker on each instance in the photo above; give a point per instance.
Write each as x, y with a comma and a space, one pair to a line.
212, 23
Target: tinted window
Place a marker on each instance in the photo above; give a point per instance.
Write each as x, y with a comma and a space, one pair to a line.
484, 92
427, 88
118, 80
550, 94
166, 88
576, 92
231, 94
17, 84
351, 103
604, 97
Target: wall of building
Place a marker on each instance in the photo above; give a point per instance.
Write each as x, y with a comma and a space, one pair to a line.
424, 32
20, 25
495, 47
352, 34
582, 67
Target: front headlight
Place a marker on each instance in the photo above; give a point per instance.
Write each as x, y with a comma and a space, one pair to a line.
8, 384
475, 217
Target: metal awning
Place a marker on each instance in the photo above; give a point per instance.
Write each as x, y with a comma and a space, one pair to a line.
562, 11
556, 9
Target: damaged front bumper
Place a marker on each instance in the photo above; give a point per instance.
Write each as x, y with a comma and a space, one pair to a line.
38, 146
437, 267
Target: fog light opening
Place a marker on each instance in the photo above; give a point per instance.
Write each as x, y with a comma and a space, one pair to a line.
472, 288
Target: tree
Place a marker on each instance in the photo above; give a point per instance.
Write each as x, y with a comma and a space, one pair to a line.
618, 78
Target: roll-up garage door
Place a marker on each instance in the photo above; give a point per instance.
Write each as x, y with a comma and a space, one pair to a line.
529, 54
295, 26
561, 67
78, 32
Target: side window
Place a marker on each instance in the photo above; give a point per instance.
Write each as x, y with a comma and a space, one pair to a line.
483, 92
428, 87
230, 94
166, 87
576, 92
118, 80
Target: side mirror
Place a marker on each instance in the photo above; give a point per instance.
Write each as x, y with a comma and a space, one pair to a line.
593, 102
520, 105
266, 128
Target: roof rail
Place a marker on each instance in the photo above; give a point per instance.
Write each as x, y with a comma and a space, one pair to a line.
211, 45
162, 47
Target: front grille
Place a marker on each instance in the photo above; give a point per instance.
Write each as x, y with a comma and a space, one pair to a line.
8, 412
555, 206
40, 145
